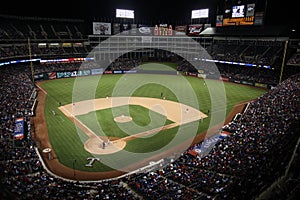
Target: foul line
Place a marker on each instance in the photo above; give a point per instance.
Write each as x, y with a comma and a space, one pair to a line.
155, 130
82, 124
42, 89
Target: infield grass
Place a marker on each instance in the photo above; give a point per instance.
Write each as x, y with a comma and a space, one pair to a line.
68, 141
102, 121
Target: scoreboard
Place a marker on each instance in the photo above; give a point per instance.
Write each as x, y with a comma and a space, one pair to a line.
238, 21
241, 12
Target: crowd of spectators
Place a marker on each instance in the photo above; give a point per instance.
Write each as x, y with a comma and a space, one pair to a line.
294, 59
17, 158
240, 166
233, 72
122, 64
22, 174
125, 64
22, 50
252, 74
61, 37
18, 28
289, 186
244, 51
64, 66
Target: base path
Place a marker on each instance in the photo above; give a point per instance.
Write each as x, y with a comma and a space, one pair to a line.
174, 111
42, 140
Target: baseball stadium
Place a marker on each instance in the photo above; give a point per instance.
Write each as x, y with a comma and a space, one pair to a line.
127, 105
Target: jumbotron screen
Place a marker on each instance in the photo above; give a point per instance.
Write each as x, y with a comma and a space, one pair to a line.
240, 12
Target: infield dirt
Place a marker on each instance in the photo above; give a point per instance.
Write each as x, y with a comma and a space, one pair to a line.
42, 139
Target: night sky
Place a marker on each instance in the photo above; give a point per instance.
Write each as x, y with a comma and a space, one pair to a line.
158, 11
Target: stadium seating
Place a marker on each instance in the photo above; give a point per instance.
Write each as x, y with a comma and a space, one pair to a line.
259, 150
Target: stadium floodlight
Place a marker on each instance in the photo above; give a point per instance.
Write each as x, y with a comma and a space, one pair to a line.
122, 13
200, 13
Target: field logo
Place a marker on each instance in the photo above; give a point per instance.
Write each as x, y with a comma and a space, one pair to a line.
107, 56
91, 161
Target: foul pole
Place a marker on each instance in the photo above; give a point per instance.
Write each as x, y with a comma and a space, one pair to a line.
30, 59
283, 61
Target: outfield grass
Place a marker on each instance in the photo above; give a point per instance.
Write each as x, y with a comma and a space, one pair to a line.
68, 141
162, 66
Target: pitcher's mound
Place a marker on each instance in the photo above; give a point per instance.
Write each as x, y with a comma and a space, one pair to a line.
123, 119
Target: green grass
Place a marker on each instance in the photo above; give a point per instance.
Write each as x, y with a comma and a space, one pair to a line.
161, 139
162, 66
68, 141
102, 122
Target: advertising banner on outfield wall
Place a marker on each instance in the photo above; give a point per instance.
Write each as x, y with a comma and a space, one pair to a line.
192, 74
202, 75
97, 71
57, 75
117, 72
247, 82
130, 71
52, 75
66, 74
84, 72
244, 82
38, 77
224, 78
261, 85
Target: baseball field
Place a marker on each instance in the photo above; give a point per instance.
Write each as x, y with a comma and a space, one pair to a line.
122, 119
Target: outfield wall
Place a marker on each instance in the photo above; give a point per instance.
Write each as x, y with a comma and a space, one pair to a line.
100, 71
